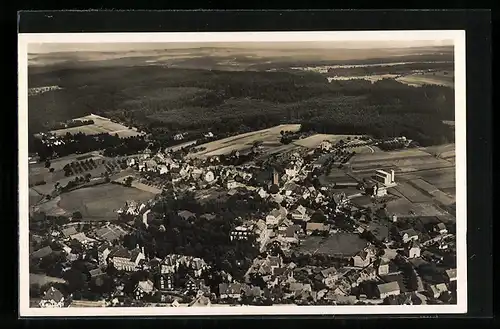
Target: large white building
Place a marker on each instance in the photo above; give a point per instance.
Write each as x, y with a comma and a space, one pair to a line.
384, 177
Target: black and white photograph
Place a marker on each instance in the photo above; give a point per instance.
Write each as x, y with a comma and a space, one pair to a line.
242, 173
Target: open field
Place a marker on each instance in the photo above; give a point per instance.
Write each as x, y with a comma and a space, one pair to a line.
51, 208
137, 184
441, 78
41, 279
372, 78
426, 179
340, 244
179, 146
315, 140
100, 125
405, 161
442, 198
411, 193
446, 151
404, 208
99, 202
38, 172
34, 196
270, 137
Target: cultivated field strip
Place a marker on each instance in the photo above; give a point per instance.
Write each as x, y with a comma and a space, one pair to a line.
243, 141
100, 125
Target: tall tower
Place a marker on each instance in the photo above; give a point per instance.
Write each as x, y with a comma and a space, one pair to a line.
275, 177
392, 176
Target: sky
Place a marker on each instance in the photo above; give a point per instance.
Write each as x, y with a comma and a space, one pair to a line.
45, 48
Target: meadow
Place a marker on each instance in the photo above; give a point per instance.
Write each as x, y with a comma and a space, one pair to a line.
164, 101
440, 78
100, 125
101, 202
269, 137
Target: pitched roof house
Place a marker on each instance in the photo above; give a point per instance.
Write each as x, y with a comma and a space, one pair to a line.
69, 231
321, 227
231, 290
408, 235
126, 260
143, 288
41, 253
451, 274
389, 289
437, 289
52, 298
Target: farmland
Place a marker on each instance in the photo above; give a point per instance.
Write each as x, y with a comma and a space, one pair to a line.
315, 140
42, 181
441, 78
405, 161
138, 184
100, 125
100, 202
269, 137
372, 78
425, 178
165, 101
41, 279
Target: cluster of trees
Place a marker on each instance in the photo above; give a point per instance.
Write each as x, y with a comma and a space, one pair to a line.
37, 183
76, 167
395, 145
390, 69
200, 237
76, 182
71, 124
288, 136
112, 145
235, 102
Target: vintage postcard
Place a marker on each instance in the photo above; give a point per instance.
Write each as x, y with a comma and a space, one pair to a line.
265, 173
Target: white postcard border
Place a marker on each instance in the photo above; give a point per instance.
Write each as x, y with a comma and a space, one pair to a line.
458, 37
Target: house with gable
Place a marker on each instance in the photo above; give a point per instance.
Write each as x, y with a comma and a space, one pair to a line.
412, 250
388, 289
409, 235
362, 259
316, 227
231, 290
125, 260
143, 289
440, 228
165, 282
330, 276
52, 298
451, 274
292, 233
436, 290
169, 265
300, 214
276, 216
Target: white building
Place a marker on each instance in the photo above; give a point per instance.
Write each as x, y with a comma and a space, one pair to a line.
124, 260
414, 250
325, 145
240, 233
147, 217
230, 184
384, 177
178, 137
163, 169
209, 176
